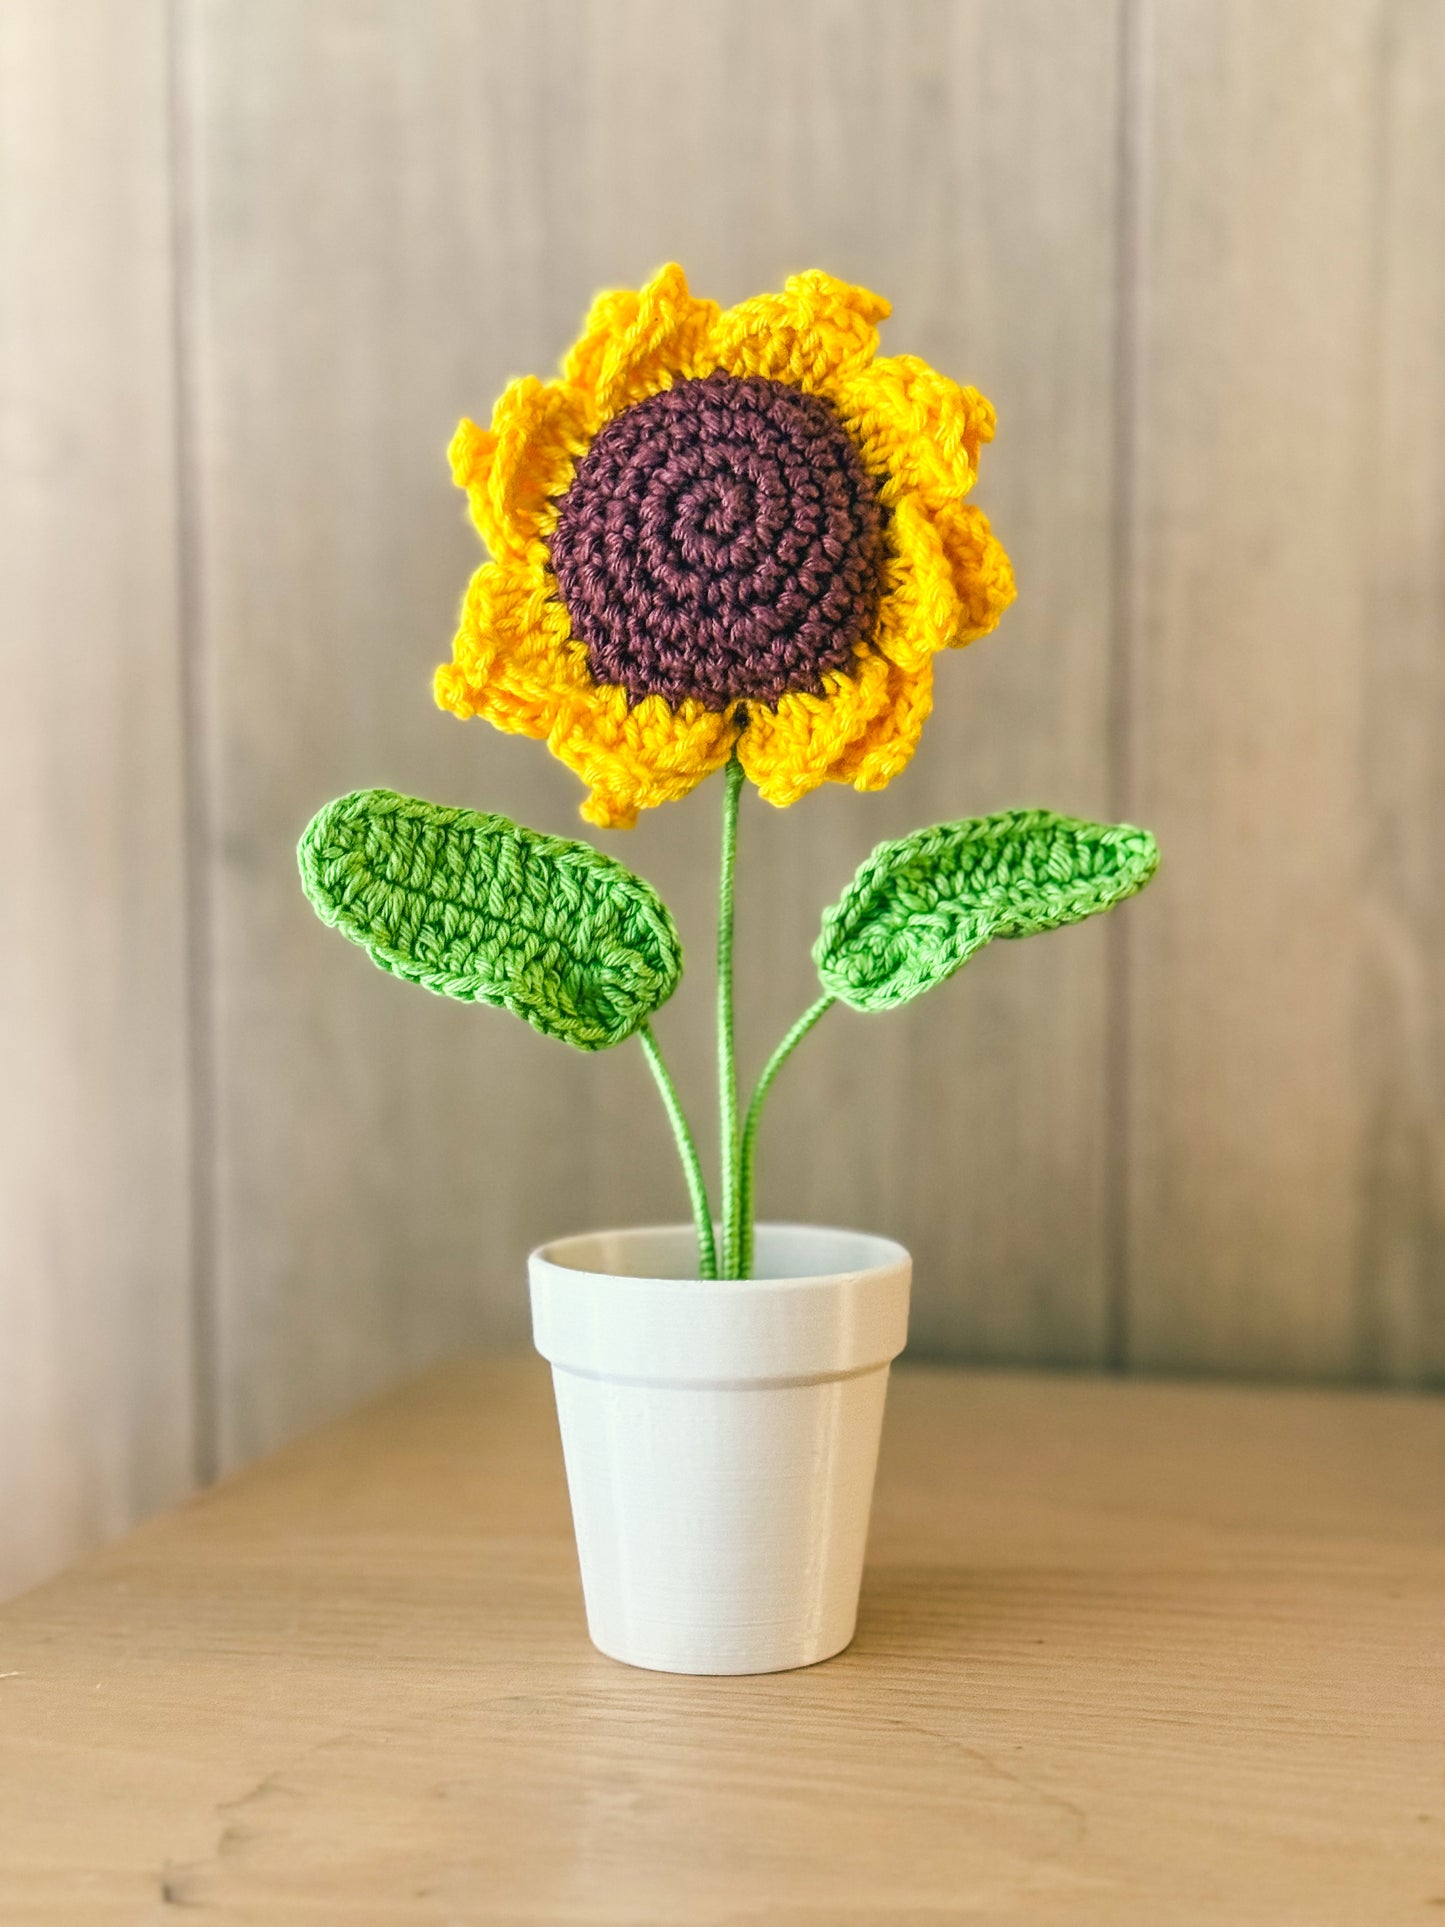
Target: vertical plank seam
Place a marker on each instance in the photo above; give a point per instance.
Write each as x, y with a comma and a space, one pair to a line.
1370, 1317
1132, 191
200, 1054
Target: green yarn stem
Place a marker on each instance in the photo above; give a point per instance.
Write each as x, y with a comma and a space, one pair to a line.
775, 1063
687, 1151
727, 1068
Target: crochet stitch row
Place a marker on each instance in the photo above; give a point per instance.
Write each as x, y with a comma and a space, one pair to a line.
720, 540
476, 907
920, 908
549, 645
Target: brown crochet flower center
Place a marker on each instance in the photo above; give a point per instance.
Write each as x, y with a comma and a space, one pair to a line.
720, 540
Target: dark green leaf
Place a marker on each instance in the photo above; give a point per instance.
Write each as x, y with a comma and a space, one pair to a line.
921, 907
477, 907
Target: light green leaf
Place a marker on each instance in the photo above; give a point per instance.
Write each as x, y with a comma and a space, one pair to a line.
478, 908
918, 909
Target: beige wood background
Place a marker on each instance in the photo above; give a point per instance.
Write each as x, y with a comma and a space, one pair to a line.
257, 257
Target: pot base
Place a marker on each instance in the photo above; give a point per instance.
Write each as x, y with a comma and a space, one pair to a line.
715, 1668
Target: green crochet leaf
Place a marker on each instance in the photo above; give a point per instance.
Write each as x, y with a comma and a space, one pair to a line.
478, 908
918, 909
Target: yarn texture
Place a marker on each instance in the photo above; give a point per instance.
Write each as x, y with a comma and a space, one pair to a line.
720, 541
478, 908
722, 531
918, 909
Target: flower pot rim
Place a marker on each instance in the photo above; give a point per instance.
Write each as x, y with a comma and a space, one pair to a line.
586, 1253
844, 1309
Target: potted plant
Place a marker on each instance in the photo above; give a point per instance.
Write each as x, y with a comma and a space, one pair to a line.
721, 542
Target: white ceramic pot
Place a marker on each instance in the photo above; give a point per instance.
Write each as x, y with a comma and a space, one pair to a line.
720, 1437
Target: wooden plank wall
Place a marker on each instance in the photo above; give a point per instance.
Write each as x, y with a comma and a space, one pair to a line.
1286, 672
1190, 249
97, 1411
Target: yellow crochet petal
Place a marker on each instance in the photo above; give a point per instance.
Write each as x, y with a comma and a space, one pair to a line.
635, 758
634, 344
513, 659
540, 430
471, 454
920, 610
877, 756
790, 750
817, 332
983, 577
915, 428
516, 663
611, 315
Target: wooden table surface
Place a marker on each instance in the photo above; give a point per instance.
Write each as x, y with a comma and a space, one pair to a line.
1128, 1653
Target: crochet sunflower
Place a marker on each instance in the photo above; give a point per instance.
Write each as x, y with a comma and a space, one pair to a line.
722, 540
723, 532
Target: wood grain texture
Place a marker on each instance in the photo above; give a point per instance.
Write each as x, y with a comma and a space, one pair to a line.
388, 224
95, 1365
1128, 1655
1284, 1138
1401, 1274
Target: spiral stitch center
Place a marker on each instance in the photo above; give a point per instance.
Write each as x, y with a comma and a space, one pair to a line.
721, 540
